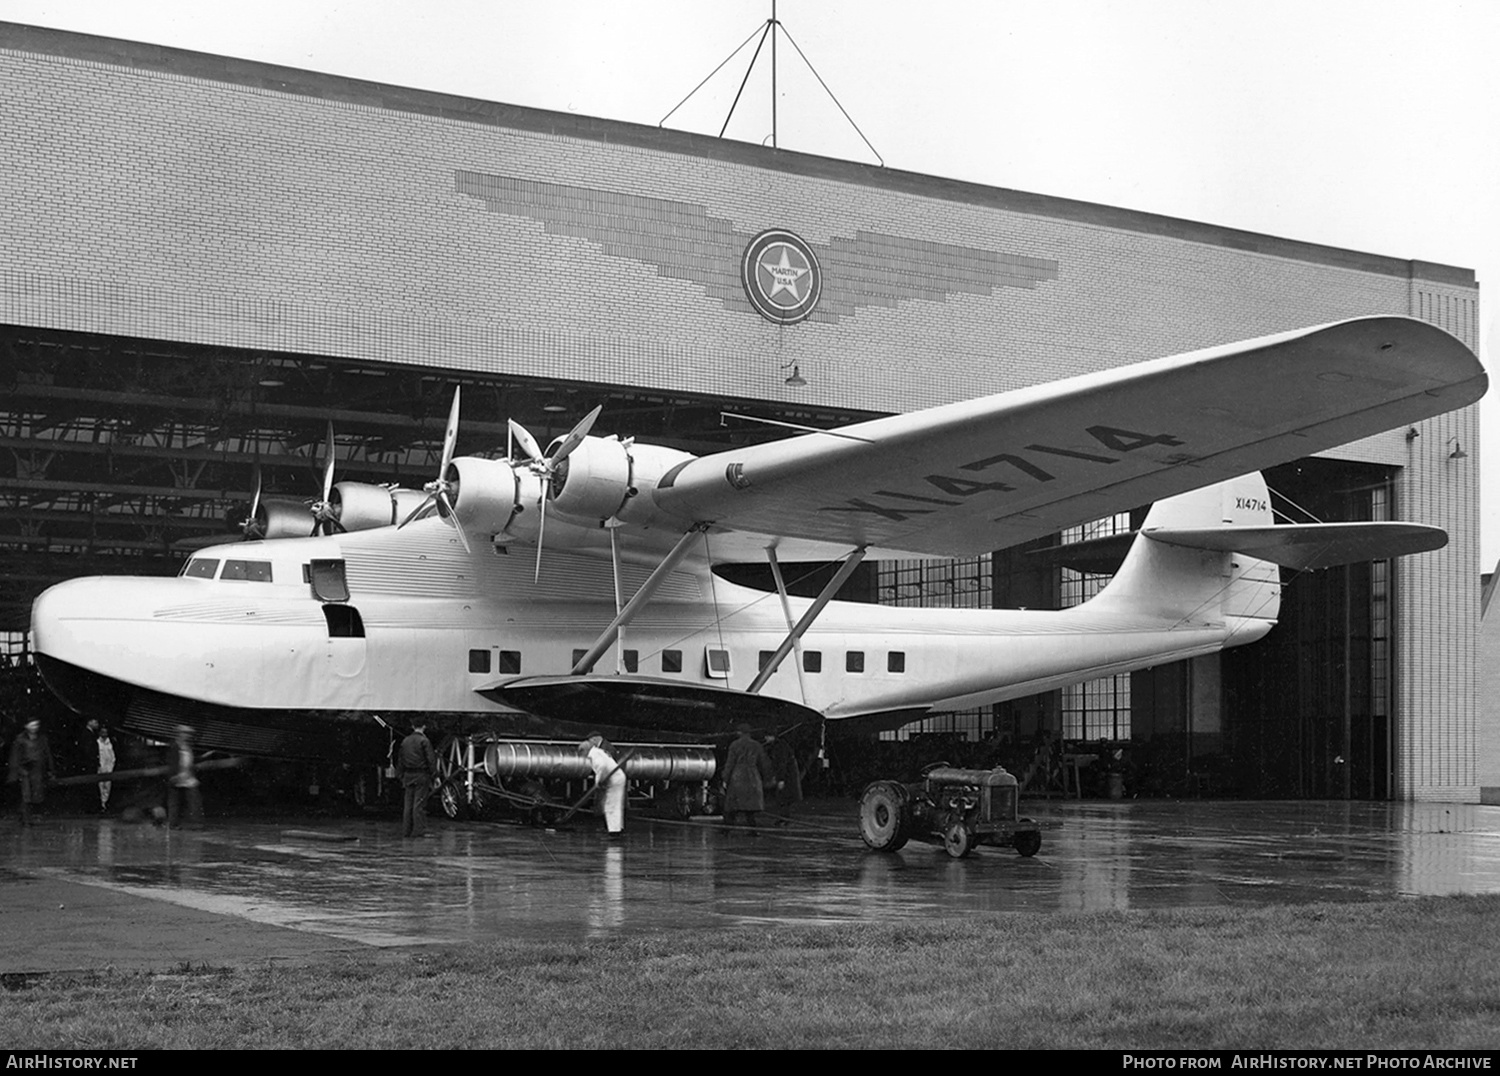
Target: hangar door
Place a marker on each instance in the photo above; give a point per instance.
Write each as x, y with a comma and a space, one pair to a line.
1308, 710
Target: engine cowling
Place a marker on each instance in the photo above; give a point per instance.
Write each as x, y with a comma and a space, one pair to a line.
281, 517
604, 476
360, 506
493, 496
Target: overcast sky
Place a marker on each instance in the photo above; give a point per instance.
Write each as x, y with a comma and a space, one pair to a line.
1367, 124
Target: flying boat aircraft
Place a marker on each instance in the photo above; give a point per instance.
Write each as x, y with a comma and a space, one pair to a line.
558, 591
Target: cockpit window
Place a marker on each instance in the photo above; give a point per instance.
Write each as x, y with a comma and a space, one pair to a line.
201, 567
254, 571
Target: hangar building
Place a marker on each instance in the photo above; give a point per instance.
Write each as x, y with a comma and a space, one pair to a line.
205, 258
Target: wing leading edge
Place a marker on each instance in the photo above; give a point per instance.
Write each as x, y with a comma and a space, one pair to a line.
979, 475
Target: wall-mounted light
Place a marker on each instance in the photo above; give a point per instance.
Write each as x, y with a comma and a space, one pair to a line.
1458, 452
796, 380
1412, 433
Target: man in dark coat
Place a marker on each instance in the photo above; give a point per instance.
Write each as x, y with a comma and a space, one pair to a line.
31, 767
747, 774
788, 776
416, 766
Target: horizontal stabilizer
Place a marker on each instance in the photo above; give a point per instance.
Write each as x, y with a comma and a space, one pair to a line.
1310, 545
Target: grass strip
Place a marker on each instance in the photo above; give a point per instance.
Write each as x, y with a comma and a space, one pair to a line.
1404, 974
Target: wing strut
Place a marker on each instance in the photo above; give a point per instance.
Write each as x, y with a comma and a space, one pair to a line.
786, 611
795, 635
648, 589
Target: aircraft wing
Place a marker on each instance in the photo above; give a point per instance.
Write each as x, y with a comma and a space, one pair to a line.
979, 475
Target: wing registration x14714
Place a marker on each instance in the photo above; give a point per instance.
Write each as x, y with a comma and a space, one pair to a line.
970, 477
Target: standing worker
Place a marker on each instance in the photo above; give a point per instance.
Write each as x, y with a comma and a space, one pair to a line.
788, 776
31, 767
106, 748
747, 774
416, 768
609, 779
184, 783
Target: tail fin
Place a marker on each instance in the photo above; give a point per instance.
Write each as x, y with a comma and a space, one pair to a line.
1212, 555
1197, 586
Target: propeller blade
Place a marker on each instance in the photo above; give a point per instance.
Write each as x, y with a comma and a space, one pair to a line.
450, 435
328, 465
528, 442
255, 498
576, 436
541, 534
427, 502
463, 539
251, 528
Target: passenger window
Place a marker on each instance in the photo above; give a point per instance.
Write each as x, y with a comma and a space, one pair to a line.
716, 662
632, 660
479, 661
509, 663
854, 661
764, 660
812, 661
895, 661
328, 583
344, 622
251, 571
201, 568
577, 657
671, 661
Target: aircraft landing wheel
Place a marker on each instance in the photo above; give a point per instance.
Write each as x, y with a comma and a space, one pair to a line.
958, 841
450, 801
487, 800
882, 816
1029, 843
681, 803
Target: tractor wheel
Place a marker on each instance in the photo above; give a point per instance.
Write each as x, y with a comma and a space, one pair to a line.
958, 840
882, 816
1028, 843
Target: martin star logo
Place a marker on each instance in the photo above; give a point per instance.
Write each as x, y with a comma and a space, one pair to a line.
781, 276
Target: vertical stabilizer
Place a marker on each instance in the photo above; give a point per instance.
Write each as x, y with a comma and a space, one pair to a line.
1201, 587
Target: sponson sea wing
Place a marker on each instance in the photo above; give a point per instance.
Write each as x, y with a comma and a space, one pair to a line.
979, 475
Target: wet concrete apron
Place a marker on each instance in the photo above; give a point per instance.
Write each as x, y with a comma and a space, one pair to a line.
82, 893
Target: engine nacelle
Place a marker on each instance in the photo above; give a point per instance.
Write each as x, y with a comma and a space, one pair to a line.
360, 506
281, 517
604, 476
492, 496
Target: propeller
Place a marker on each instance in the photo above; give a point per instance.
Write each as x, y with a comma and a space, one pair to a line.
439, 490
325, 513
251, 527
545, 465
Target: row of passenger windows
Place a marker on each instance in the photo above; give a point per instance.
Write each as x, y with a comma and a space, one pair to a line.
716, 662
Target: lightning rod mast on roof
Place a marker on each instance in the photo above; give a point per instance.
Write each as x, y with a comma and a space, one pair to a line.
769, 29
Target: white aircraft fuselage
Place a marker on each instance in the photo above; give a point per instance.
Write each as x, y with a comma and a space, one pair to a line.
242, 646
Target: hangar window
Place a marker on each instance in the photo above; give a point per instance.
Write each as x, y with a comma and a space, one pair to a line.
671, 661
344, 622
253, 571
479, 661
201, 568
854, 661
716, 662
632, 660
509, 663
328, 582
812, 661
895, 661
